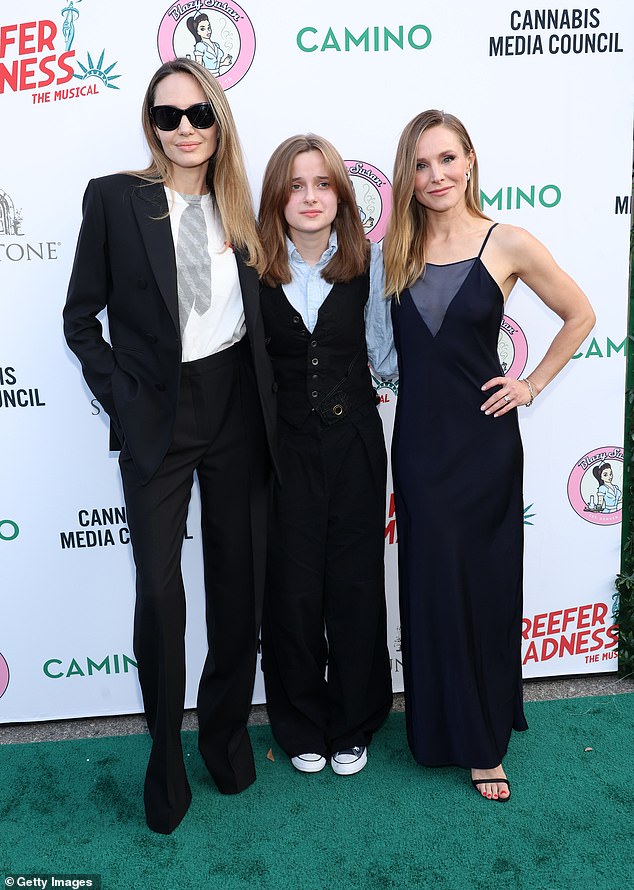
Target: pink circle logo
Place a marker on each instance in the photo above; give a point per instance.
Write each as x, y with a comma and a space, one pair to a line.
218, 35
373, 191
4, 675
512, 348
595, 486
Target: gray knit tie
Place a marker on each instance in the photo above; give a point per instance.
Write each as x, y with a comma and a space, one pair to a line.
193, 261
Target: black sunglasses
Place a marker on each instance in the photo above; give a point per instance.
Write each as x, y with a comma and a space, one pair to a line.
167, 117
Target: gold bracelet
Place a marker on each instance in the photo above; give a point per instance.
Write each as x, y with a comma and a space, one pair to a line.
531, 391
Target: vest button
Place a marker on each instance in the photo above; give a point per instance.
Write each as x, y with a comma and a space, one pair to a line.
313, 343
337, 410
314, 393
296, 319
314, 361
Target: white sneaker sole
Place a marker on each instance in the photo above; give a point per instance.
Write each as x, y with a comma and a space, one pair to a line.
308, 766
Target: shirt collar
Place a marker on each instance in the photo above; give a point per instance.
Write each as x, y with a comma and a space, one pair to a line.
295, 256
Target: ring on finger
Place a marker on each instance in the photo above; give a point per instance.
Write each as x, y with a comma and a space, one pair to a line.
506, 399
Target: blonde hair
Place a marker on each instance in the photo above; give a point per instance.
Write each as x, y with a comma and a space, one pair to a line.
353, 250
226, 174
404, 243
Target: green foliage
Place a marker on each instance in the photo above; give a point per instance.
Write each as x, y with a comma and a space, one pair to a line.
624, 615
624, 597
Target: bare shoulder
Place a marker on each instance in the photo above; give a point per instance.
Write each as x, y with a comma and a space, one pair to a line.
519, 247
514, 238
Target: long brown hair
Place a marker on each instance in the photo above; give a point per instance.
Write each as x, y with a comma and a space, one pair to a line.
226, 174
353, 250
404, 243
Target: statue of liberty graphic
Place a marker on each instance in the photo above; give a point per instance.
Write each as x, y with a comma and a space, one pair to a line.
68, 28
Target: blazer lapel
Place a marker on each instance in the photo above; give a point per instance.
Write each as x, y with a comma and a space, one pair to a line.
150, 207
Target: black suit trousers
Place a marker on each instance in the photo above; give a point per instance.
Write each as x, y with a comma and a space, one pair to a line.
324, 637
219, 436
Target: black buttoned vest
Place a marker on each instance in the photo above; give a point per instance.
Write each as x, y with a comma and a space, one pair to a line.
324, 371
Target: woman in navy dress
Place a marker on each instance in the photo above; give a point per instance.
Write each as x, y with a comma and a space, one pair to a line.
457, 451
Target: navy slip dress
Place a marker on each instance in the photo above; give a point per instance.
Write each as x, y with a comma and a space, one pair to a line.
459, 512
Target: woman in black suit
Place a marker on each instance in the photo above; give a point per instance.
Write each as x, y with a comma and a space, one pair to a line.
172, 253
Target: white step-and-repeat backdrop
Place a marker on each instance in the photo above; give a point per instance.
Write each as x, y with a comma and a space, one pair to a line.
546, 95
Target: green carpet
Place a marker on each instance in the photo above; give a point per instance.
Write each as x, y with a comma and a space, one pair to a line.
75, 808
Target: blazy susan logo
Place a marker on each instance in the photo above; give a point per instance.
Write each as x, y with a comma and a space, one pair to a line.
217, 34
373, 192
595, 486
40, 57
512, 348
4, 675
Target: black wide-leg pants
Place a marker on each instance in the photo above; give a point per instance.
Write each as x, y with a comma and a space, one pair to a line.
219, 434
324, 648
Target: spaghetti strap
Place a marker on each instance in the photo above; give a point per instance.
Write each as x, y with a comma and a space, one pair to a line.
484, 243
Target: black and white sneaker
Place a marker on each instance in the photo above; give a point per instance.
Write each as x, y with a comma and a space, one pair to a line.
309, 763
349, 761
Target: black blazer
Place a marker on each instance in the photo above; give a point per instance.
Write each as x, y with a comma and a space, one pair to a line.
125, 262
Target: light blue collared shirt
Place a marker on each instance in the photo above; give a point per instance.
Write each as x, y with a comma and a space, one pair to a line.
308, 290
